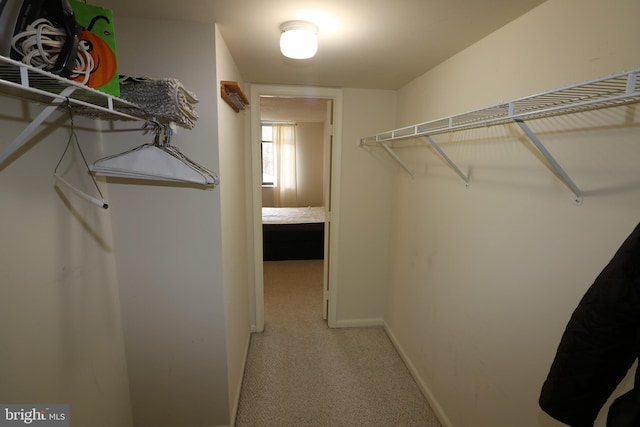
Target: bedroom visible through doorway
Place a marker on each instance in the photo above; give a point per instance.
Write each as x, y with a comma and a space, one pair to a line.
294, 143
293, 158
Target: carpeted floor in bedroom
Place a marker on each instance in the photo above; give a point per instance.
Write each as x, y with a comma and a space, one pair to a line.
301, 373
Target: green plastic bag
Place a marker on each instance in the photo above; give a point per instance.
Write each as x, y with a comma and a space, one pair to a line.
99, 39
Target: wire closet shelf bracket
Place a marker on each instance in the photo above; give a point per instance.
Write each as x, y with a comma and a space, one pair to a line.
26, 82
612, 91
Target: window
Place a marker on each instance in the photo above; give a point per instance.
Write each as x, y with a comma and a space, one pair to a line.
268, 157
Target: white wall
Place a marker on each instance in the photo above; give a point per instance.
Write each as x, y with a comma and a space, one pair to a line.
235, 198
181, 313
484, 279
61, 333
310, 163
168, 243
365, 209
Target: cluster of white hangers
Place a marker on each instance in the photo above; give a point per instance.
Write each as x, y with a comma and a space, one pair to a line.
159, 161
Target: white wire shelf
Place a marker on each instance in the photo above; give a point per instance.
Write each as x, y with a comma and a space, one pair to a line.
615, 90
612, 91
32, 84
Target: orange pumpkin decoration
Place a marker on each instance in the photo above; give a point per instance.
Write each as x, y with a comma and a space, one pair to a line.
104, 67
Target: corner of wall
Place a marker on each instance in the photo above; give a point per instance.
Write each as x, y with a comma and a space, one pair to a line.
426, 391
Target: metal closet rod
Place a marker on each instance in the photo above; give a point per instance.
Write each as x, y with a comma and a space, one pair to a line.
615, 90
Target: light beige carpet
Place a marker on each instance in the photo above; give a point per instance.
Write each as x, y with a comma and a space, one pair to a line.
301, 373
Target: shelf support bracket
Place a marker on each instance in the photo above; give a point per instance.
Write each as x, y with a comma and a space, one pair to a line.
554, 164
396, 158
21, 139
447, 159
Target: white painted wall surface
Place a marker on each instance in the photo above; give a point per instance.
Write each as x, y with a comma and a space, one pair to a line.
484, 279
61, 335
236, 220
168, 243
365, 210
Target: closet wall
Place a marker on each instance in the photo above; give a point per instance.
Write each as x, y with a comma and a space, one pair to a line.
130, 314
485, 278
364, 212
61, 333
235, 197
169, 244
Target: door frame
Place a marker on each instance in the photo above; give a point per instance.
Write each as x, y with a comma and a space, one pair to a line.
334, 94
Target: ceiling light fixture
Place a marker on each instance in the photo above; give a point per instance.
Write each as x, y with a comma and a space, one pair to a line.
299, 39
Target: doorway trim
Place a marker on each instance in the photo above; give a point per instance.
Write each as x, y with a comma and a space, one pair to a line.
336, 95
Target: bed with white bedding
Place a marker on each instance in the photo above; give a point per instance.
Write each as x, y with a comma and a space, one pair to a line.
293, 233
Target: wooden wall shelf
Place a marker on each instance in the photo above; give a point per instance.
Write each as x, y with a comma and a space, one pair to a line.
233, 95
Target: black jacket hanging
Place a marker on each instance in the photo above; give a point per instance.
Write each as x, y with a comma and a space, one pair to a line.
600, 343
625, 410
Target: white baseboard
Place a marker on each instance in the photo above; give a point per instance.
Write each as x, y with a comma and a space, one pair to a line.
435, 406
236, 398
358, 323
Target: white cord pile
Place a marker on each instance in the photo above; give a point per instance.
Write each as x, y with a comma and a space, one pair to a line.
40, 43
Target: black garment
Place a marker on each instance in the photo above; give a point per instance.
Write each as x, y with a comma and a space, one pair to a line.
625, 410
600, 343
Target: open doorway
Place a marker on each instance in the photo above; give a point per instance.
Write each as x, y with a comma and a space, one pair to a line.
312, 115
295, 142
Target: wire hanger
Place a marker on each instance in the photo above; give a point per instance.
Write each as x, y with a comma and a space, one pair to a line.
60, 180
158, 161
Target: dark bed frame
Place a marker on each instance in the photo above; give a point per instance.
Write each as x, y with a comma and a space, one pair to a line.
292, 241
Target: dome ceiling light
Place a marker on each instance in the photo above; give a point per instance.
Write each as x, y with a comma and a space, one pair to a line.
299, 39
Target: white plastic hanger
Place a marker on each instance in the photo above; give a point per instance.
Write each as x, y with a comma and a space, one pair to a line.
158, 161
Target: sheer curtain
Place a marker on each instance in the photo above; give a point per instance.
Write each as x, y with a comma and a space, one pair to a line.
284, 142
